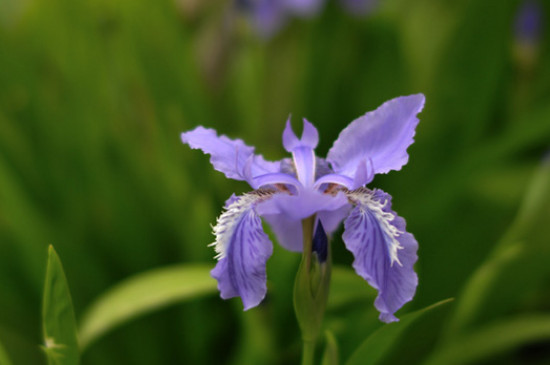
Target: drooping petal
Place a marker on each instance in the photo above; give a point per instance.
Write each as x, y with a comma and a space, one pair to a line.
381, 136
229, 156
384, 252
243, 249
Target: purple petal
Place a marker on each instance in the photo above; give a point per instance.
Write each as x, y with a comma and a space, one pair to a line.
384, 252
529, 22
229, 156
243, 249
269, 16
310, 137
303, 205
332, 219
381, 136
288, 231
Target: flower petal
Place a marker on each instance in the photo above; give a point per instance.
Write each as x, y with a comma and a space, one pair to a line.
243, 249
288, 231
381, 136
229, 156
306, 203
269, 16
310, 136
384, 252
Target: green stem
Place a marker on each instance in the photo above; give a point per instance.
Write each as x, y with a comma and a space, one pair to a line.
308, 352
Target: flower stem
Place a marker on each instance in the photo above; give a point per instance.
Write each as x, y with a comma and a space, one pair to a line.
308, 352
311, 287
307, 235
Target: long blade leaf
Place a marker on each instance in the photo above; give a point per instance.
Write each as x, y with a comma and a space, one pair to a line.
58, 320
142, 294
492, 339
4, 356
373, 349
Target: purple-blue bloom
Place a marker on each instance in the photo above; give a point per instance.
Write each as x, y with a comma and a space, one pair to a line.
528, 22
333, 189
269, 16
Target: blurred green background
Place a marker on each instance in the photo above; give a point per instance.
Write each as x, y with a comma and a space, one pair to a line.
94, 96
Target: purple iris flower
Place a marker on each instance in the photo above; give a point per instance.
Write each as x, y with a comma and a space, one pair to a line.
529, 22
332, 189
270, 15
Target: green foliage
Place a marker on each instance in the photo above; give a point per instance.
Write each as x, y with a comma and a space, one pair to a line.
58, 319
377, 345
4, 356
144, 293
330, 355
94, 95
494, 289
493, 339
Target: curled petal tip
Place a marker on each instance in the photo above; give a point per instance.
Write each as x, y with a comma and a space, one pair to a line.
310, 136
290, 140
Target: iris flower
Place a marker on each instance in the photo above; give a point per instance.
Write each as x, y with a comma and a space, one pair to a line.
332, 190
270, 15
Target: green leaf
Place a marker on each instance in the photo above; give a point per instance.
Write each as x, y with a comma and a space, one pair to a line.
347, 287
492, 339
377, 345
142, 294
494, 288
256, 344
330, 356
4, 356
58, 320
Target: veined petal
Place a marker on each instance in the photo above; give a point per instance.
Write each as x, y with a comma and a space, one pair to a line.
381, 136
229, 156
384, 252
243, 249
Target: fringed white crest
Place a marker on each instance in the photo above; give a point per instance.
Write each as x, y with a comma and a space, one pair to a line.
365, 200
233, 213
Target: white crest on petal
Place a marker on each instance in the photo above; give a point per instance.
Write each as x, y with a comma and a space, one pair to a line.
229, 219
366, 201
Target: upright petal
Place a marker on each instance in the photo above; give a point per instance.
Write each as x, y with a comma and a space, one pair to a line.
384, 252
243, 249
229, 156
381, 136
310, 136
